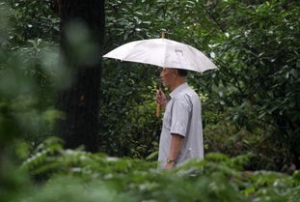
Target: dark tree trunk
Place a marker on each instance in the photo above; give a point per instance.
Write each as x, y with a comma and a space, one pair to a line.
80, 102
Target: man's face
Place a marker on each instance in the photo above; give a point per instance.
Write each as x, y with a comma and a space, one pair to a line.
167, 77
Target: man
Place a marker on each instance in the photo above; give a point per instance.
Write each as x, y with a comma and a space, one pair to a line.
181, 136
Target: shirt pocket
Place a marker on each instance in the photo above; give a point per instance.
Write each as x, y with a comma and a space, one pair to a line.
167, 120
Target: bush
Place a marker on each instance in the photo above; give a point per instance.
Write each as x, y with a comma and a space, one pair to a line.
80, 176
232, 140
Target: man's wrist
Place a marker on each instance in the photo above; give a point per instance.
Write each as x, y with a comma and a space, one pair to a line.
170, 160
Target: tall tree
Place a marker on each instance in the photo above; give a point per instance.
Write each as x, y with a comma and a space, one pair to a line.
82, 33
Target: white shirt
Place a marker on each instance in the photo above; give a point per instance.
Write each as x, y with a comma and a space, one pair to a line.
182, 116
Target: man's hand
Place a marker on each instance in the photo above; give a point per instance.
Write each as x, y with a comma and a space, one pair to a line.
161, 98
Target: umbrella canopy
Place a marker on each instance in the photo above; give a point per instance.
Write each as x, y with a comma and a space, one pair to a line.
163, 53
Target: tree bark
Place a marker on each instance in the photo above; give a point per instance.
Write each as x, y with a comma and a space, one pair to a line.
80, 102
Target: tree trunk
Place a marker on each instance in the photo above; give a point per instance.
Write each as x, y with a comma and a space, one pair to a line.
80, 102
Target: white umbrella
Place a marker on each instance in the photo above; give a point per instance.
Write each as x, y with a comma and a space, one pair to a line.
163, 53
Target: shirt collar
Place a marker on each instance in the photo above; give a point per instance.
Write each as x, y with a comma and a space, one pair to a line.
178, 89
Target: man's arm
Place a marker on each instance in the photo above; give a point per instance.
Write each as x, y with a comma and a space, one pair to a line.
176, 144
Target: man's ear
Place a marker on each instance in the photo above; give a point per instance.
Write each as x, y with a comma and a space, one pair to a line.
175, 72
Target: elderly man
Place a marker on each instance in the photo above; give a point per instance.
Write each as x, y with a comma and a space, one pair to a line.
181, 136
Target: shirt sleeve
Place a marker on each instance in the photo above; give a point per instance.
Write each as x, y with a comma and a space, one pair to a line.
181, 112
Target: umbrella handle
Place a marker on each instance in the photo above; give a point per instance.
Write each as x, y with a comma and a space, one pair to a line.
158, 105
158, 110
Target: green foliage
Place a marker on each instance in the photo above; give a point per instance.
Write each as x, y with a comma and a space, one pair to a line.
128, 108
27, 74
13, 181
51, 159
259, 63
255, 45
80, 176
265, 154
26, 114
260, 46
25, 101
32, 20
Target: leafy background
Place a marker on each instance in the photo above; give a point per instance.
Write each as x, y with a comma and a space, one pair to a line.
250, 105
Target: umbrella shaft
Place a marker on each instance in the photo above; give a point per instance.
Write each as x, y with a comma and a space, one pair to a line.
158, 110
